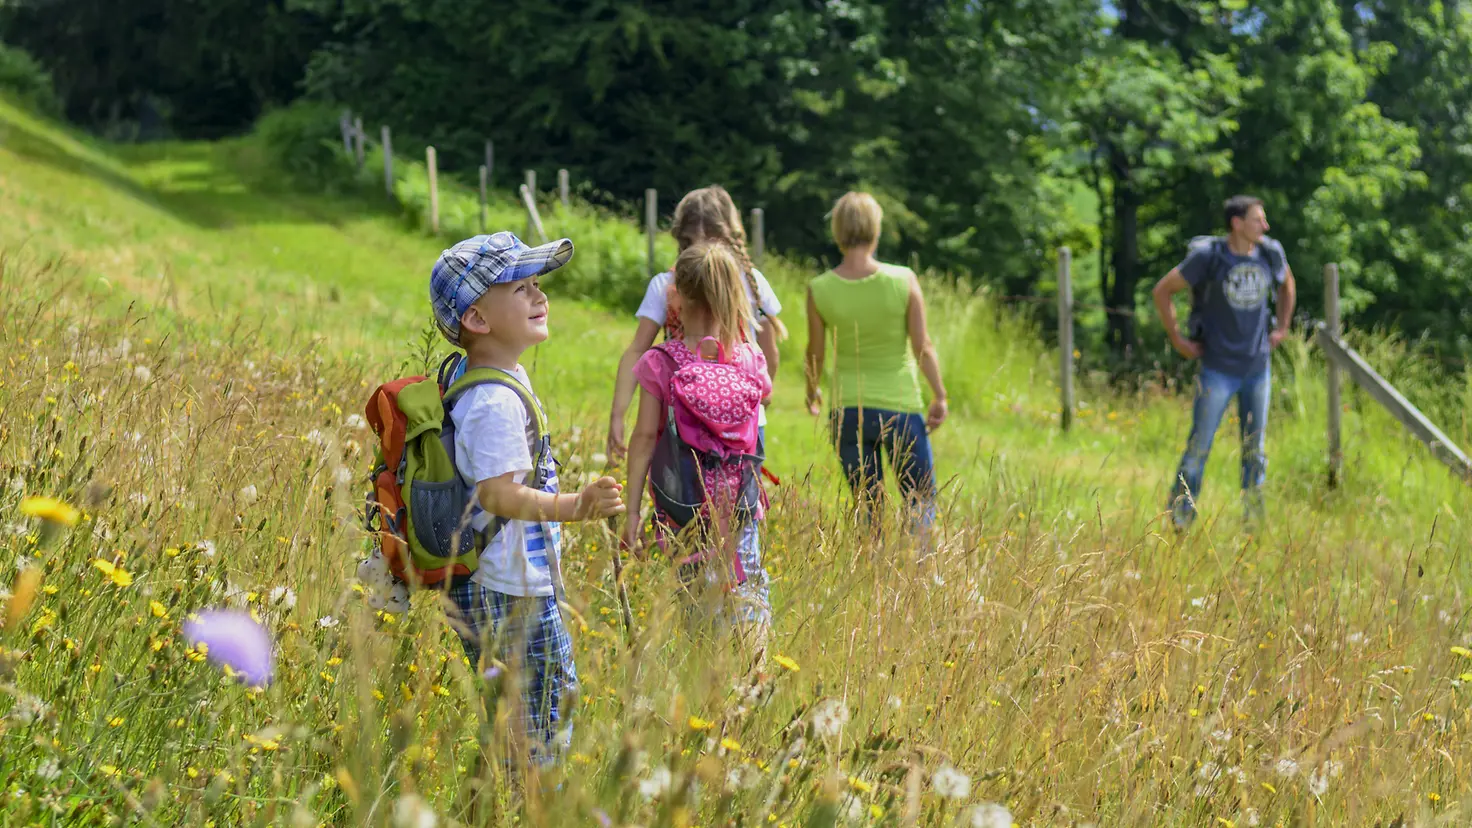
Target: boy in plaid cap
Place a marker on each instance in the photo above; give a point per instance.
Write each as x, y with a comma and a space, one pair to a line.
487, 300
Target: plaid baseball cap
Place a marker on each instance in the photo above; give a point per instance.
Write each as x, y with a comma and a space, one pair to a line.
466, 271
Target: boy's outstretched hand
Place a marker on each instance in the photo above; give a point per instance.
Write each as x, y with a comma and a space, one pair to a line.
600, 499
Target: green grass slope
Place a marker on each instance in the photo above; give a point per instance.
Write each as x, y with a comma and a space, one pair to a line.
193, 339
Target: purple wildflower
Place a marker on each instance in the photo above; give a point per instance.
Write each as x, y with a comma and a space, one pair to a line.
234, 640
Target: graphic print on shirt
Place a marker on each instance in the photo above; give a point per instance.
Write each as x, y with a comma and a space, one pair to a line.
1246, 286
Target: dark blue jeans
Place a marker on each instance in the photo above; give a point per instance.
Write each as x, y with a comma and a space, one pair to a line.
862, 436
1214, 392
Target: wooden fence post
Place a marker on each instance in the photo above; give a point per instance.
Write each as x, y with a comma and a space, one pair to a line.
485, 174
1331, 316
434, 190
490, 161
651, 206
1065, 335
563, 186
388, 160
533, 218
758, 235
358, 140
345, 123
531, 186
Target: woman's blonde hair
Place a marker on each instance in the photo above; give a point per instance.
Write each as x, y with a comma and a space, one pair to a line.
708, 276
856, 220
710, 215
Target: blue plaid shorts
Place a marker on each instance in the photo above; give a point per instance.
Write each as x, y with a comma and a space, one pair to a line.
534, 625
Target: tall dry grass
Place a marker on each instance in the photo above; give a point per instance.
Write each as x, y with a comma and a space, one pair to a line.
1051, 667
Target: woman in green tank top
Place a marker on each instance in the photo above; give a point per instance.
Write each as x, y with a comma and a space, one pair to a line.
874, 314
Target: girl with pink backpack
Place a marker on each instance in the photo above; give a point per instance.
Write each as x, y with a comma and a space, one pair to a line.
697, 445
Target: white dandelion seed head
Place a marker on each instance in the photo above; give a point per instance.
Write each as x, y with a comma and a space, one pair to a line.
830, 717
142, 373
1287, 767
656, 783
28, 709
1210, 771
249, 494
355, 421
950, 783
413, 812
1221, 735
851, 809
1203, 789
1252, 817
1332, 767
327, 622
48, 770
17, 484
895, 702
206, 548
1444, 617
643, 704
1198, 603
1357, 638
1318, 782
342, 475
1238, 774
315, 437
989, 815
742, 777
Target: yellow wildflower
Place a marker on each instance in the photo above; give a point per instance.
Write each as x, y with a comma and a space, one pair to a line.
117, 575
50, 589
1462, 651
698, 724
50, 509
116, 721
731, 745
158, 610
860, 785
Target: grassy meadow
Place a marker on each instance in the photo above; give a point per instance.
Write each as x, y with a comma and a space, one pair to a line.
188, 346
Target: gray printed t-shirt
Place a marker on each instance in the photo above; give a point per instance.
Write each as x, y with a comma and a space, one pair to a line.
1230, 314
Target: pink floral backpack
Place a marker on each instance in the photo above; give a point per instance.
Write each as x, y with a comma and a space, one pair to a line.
708, 454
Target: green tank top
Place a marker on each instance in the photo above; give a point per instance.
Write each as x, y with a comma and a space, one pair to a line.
873, 364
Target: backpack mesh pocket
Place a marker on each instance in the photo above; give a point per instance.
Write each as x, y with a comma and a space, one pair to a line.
437, 509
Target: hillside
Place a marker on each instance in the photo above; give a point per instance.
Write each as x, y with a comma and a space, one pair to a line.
1075, 663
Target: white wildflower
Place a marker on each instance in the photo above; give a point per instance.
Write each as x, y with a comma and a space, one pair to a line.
643, 704
851, 809
830, 717
1221, 735
600, 459
315, 437
1238, 774
123, 348
413, 812
23, 562
656, 783
249, 494
17, 484
48, 770
1252, 817
1444, 617
283, 597
1287, 767
1198, 603
17, 528
895, 702
327, 622
950, 783
206, 548
355, 421
342, 475
1210, 771
1356, 638
989, 815
142, 373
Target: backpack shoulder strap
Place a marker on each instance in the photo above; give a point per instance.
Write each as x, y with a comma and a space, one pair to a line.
495, 376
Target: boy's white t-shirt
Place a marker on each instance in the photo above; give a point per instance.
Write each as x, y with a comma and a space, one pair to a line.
491, 429
655, 306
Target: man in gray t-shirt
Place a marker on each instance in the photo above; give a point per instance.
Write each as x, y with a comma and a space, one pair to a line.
1232, 332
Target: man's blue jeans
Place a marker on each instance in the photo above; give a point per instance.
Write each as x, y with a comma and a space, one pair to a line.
1214, 391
